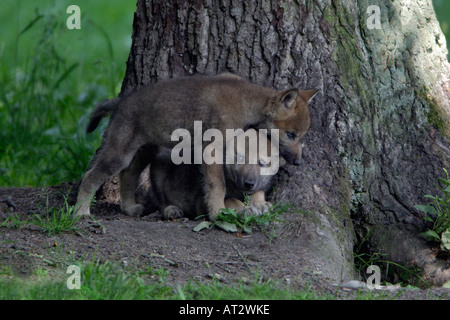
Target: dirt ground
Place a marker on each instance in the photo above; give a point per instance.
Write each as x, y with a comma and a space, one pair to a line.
173, 245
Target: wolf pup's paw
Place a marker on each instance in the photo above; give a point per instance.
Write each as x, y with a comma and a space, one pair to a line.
251, 210
173, 212
263, 207
133, 211
83, 213
257, 208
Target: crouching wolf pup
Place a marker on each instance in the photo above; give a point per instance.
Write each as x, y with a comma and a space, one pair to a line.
179, 192
148, 117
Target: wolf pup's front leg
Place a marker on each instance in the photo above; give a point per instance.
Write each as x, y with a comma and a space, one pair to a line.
215, 188
258, 201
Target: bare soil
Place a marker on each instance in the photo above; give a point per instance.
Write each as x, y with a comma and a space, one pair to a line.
152, 242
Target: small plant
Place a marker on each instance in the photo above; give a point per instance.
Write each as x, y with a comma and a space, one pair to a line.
438, 213
232, 221
245, 221
391, 270
160, 274
14, 221
58, 220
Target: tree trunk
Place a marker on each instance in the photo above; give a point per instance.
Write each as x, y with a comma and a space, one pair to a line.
380, 124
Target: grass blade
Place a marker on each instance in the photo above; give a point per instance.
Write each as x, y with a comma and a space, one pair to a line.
30, 24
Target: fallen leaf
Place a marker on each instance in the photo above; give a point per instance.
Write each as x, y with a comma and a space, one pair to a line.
202, 225
229, 227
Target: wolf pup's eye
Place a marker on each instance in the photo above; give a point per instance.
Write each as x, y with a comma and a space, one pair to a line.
290, 135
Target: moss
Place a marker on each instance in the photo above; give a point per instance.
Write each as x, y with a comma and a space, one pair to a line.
340, 217
349, 60
434, 115
435, 119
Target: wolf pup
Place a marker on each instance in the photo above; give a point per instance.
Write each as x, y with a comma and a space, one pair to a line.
179, 192
148, 117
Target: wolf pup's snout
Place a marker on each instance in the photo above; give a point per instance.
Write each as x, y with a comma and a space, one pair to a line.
249, 184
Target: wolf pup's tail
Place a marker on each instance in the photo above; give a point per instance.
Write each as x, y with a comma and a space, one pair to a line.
103, 109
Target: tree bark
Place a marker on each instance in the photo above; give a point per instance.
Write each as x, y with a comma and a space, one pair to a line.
380, 125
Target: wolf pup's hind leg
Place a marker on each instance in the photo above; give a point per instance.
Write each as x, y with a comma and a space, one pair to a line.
129, 180
115, 155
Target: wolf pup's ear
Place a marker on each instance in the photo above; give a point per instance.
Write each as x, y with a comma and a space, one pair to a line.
287, 98
307, 95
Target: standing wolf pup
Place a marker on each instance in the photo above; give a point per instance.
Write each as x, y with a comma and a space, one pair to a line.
178, 188
148, 117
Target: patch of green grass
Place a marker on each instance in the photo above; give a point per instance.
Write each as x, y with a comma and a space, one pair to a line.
50, 80
5, 270
256, 290
58, 220
55, 220
42, 135
14, 221
160, 274
108, 281
99, 281
113, 281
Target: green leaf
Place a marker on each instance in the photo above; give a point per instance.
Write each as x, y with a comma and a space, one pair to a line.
431, 235
247, 229
444, 181
229, 227
445, 239
202, 225
426, 208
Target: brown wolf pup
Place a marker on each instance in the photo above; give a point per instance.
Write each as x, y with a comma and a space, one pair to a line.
179, 192
148, 117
